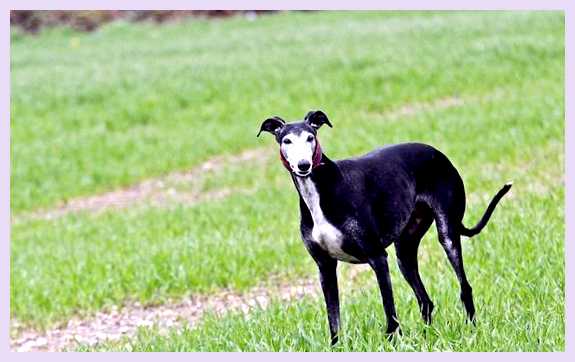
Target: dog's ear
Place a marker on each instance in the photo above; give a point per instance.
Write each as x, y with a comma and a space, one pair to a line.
272, 125
316, 119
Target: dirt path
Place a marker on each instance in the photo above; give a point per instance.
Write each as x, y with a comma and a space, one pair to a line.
125, 321
115, 324
159, 190
155, 191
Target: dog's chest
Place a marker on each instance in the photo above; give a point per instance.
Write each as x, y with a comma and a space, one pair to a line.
324, 233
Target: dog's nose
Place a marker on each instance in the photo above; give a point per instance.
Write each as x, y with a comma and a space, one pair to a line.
303, 165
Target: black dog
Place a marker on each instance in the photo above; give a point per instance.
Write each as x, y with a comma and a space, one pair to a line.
353, 209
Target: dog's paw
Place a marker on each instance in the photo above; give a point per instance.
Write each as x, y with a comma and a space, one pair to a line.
392, 332
426, 312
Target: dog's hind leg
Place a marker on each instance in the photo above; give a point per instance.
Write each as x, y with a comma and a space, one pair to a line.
450, 239
380, 267
406, 248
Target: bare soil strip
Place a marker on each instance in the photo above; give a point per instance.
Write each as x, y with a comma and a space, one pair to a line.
415, 108
118, 323
157, 191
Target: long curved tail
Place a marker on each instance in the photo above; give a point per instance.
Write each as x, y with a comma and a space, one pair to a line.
485, 218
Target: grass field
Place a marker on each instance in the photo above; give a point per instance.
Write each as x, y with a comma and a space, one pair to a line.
93, 112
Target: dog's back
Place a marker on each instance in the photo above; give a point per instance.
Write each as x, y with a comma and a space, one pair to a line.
394, 178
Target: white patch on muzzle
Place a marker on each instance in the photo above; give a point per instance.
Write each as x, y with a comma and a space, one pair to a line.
298, 149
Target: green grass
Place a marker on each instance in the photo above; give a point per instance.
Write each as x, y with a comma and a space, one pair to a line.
520, 306
92, 112
151, 254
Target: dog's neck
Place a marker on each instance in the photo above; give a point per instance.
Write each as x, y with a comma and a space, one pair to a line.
326, 177
324, 188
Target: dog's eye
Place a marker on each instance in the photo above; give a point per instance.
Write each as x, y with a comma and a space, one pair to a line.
287, 141
309, 138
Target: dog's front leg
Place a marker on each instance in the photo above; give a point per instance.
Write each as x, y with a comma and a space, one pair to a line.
381, 268
328, 279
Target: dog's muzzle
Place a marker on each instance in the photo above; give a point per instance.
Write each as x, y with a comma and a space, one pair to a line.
303, 167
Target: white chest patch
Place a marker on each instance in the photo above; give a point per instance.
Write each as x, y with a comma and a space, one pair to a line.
323, 233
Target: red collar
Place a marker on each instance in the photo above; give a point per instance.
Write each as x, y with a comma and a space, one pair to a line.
317, 153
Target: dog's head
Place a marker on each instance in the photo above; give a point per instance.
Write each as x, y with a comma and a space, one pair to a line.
300, 151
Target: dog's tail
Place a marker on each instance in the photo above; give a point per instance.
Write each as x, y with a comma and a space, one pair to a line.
485, 218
